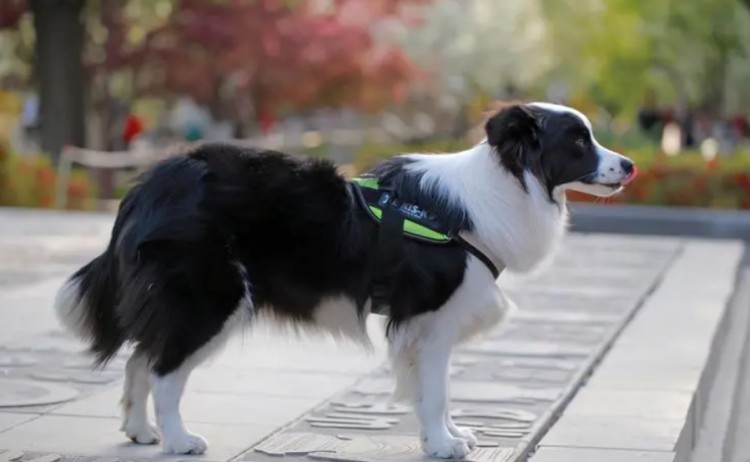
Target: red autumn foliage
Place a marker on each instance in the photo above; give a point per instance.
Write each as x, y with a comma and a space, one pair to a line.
272, 54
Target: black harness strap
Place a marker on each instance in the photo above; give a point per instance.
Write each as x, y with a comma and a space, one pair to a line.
387, 261
481, 256
389, 247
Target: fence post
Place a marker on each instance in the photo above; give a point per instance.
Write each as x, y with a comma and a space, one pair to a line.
63, 178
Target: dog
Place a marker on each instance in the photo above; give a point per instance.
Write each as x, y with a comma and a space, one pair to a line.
223, 236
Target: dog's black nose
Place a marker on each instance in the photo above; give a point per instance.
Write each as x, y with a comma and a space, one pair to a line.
627, 166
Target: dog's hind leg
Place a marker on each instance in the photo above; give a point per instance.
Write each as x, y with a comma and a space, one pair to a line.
168, 389
168, 382
134, 402
178, 317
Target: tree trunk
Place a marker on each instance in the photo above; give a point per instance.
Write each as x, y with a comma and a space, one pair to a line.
109, 11
59, 72
716, 82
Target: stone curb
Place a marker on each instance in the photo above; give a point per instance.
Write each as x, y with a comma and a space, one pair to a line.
735, 445
653, 220
648, 395
716, 428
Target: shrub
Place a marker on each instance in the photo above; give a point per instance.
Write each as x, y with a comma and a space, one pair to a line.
687, 181
32, 182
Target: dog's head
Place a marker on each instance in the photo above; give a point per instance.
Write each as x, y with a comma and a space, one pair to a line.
556, 144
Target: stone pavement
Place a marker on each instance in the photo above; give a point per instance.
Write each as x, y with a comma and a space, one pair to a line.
268, 398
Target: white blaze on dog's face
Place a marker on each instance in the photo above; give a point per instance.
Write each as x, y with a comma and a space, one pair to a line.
557, 144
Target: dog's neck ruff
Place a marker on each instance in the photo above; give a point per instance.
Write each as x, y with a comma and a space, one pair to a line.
516, 226
407, 219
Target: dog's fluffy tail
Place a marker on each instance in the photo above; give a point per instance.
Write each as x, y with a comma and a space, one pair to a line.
85, 305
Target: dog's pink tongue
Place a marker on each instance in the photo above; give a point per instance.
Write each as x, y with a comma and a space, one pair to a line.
631, 177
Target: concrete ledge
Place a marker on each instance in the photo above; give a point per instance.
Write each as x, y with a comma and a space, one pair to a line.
721, 391
600, 455
650, 391
653, 220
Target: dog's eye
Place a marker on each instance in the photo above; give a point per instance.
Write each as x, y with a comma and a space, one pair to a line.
581, 142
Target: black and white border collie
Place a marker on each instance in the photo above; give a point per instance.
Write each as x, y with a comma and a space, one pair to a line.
223, 236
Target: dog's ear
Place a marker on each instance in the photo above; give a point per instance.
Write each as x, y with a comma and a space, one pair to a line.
514, 132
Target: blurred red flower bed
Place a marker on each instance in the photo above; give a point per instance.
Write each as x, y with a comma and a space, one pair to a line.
687, 180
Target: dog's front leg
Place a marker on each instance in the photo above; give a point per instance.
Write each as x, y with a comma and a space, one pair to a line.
432, 403
463, 433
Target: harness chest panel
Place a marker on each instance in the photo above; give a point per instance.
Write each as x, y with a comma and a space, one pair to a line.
417, 222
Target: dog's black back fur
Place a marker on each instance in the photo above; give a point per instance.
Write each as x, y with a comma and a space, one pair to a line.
198, 230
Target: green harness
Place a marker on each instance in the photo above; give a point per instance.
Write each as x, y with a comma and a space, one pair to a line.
417, 222
397, 220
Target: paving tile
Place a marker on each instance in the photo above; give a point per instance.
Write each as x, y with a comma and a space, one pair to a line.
29, 311
218, 408
100, 436
268, 383
244, 409
646, 404
695, 323
262, 348
360, 448
614, 432
468, 390
599, 455
22, 393
57, 342
31, 222
650, 350
105, 403
306, 357
10, 419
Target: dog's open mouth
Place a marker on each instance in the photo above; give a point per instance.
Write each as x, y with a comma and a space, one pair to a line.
631, 176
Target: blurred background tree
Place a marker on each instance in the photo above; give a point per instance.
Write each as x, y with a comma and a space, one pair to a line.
57, 64
475, 51
242, 58
689, 52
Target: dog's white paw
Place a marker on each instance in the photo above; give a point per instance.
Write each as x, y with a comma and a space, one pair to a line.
445, 446
466, 435
141, 433
185, 443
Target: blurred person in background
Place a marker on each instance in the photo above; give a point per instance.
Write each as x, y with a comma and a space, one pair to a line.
132, 128
30, 123
649, 119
